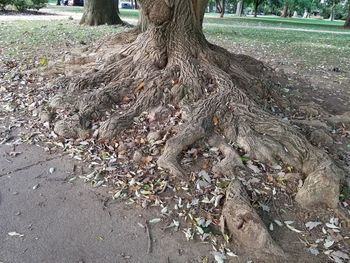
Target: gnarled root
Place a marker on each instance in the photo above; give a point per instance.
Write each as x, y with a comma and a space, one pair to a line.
246, 227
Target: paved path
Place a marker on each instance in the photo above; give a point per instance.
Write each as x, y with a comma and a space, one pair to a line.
65, 222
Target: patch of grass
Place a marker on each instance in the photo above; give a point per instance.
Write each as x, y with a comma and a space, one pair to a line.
60, 8
311, 49
28, 42
270, 21
80, 9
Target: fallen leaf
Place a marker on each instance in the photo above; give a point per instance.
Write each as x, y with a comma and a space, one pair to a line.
329, 225
328, 243
219, 257
310, 225
155, 220
15, 234
288, 225
313, 251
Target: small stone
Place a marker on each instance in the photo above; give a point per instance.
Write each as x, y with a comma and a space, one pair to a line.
122, 147
64, 129
137, 157
158, 113
320, 138
153, 136
45, 117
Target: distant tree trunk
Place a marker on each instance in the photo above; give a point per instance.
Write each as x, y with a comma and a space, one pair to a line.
134, 4
347, 22
100, 12
222, 13
306, 14
239, 8
219, 7
331, 16
295, 14
58, 2
285, 11
256, 5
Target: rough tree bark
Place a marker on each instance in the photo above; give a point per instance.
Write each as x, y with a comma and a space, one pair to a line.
222, 97
100, 12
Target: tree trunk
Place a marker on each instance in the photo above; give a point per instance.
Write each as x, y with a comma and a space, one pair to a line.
295, 14
306, 14
134, 4
239, 8
331, 16
218, 6
58, 2
198, 93
285, 11
256, 5
347, 22
100, 12
222, 13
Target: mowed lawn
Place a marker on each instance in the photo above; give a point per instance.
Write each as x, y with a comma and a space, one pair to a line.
311, 43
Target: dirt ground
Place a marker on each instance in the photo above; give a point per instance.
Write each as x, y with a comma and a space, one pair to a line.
66, 221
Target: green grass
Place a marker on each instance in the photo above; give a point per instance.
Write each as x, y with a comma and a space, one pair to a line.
27, 42
80, 9
59, 8
312, 49
295, 23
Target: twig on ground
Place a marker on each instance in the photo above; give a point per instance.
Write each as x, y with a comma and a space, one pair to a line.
149, 249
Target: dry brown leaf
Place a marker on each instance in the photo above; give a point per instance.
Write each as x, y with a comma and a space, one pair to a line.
147, 159
140, 87
215, 120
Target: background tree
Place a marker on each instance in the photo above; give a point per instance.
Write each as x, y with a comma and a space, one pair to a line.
256, 4
239, 8
273, 7
347, 22
333, 4
100, 12
220, 7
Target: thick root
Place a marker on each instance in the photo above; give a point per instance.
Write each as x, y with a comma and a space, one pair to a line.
246, 227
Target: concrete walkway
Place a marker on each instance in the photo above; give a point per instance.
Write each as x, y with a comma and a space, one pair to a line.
73, 222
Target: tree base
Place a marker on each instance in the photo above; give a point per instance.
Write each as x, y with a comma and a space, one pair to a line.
213, 95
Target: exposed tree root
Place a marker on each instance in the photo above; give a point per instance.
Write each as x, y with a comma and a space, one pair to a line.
222, 98
245, 225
